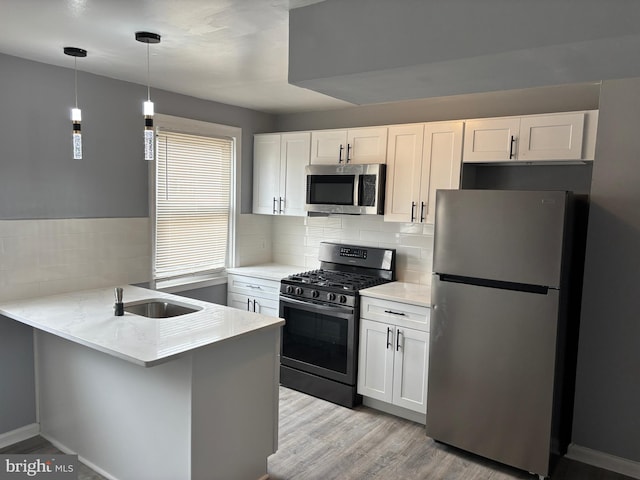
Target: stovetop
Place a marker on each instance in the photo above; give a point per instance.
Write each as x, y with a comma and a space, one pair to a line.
324, 279
328, 286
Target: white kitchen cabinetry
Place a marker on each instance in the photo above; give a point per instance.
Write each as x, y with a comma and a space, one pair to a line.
253, 294
421, 158
356, 145
278, 172
531, 138
394, 353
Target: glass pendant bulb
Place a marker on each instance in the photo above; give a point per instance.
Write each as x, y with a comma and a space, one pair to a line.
76, 136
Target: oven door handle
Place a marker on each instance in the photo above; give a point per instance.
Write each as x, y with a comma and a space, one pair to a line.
343, 311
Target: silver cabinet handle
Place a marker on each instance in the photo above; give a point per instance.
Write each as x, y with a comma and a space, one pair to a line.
389, 332
395, 313
281, 201
274, 205
340, 154
398, 333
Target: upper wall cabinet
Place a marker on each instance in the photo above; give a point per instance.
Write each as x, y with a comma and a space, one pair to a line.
278, 172
421, 158
356, 145
531, 138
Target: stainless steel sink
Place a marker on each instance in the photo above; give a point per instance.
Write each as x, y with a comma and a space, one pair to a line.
159, 308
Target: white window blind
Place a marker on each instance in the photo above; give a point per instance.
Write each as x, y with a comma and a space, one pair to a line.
193, 197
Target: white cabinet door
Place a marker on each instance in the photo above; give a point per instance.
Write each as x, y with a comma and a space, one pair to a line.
239, 301
367, 145
551, 137
295, 150
375, 360
357, 145
410, 369
265, 306
421, 158
404, 167
278, 173
328, 146
491, 139
266, 173
441, 164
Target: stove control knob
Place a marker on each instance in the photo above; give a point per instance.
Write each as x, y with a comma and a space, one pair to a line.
289, 289
343, 299
315, 294
331, 296
298, 291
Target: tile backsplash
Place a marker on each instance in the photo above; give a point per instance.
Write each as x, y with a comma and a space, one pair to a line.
295, 241
45, 257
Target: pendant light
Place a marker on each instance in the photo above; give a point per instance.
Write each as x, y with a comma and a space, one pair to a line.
76, 114
147, 107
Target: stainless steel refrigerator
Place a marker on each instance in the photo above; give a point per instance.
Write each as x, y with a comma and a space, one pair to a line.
500, 357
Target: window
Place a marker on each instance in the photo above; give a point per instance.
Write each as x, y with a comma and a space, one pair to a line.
193, 202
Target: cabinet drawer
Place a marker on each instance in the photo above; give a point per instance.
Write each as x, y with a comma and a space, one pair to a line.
256, 287
396, 313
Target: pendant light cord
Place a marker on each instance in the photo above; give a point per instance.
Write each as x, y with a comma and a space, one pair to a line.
75, 67
148, 77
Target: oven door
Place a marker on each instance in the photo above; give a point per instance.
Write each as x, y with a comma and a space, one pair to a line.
320, 339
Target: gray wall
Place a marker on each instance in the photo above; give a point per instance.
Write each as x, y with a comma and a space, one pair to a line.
606, 414
365, 51
562, 98
17, 384
39, 179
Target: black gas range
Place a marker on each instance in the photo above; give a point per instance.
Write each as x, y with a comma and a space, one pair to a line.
319, 349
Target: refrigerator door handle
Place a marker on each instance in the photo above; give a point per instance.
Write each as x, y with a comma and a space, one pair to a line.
502, 285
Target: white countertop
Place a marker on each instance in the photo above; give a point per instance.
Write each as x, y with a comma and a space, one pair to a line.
412, 293
268, 271
86, 317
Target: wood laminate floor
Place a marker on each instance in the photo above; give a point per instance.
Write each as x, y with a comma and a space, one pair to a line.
323, 441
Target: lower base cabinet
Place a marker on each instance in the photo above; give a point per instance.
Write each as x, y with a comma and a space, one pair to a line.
393, 359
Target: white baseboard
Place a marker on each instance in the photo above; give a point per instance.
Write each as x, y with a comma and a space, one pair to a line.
395, 410
19, 434
604, 460
91, 465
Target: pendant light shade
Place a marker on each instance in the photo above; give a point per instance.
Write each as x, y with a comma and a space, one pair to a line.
76, 114
147, 107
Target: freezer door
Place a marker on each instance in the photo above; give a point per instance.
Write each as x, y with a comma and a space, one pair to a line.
511, 236
491, 372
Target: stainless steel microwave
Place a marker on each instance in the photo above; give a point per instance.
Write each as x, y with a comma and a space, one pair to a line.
350, 189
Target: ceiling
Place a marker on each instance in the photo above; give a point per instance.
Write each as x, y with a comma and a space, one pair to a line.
229, 51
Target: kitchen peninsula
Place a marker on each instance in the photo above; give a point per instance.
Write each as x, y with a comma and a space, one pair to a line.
193, 396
